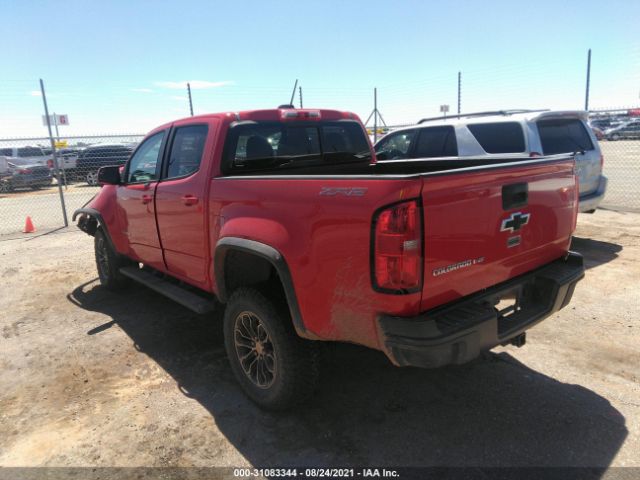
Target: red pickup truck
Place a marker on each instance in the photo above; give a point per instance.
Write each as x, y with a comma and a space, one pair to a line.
284, 217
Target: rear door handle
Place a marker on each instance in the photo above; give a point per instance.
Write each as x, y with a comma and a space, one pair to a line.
189, 200
147, 199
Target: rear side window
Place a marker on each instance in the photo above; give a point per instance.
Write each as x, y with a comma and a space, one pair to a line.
436, 142
186, 150
395, 146
6, 152
502, 137
563, 136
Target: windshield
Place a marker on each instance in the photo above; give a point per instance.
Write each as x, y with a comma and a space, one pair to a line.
275, 145
30, 152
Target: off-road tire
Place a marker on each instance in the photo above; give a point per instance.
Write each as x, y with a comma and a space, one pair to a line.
296, 361
109, 263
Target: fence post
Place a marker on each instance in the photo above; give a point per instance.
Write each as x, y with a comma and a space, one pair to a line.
190, 101
55, 155
586, 96
459, 90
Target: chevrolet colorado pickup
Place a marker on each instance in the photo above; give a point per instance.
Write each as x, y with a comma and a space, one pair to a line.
285, 219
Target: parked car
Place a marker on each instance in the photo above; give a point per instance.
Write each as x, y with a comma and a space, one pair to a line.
599, 134
627, 131
34, 155
92, 158
283, 218
18, 173
606, 123
515, 133
67, 162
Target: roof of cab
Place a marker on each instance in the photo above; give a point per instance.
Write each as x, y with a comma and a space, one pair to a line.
273, 114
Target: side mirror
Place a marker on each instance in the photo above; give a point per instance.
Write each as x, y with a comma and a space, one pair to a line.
109, 175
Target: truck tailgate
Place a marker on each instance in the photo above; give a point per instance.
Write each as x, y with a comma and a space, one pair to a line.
485, 225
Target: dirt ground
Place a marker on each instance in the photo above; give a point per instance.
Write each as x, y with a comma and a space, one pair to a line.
92, 378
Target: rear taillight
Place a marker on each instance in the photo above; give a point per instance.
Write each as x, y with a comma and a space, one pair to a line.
24, 171
601, 161
397, 248
50, 163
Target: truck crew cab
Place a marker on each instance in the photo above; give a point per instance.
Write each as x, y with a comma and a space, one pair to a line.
285, 218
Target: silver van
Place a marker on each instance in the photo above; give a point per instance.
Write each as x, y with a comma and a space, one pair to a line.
517, 133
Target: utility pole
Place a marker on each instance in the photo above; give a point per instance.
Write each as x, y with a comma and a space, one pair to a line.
300, 91
459, 90
375, 114
293, 93
586, 97
190, 101
55, 156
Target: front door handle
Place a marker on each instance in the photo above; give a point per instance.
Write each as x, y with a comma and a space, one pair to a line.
147, 199
189, 200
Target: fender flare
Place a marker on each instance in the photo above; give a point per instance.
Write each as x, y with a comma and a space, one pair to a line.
273, 256
95, 214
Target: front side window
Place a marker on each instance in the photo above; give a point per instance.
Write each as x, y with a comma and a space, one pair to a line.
436, 142
6, 152
186, 150
499, 137
395, 146
143, 165
563, 136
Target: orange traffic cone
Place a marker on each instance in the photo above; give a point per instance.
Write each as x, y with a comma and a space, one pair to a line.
28, 226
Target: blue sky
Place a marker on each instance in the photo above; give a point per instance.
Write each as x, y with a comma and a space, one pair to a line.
119, 66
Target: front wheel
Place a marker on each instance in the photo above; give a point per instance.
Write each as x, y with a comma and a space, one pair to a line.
274, 366
92, 178
109, 263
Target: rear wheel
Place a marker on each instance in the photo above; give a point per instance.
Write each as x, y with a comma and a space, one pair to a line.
274, 366
615, 137
109, 263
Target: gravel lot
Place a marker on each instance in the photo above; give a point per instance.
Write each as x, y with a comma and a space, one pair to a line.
92, 378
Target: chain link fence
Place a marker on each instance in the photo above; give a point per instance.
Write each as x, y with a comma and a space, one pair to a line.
31, 187
618, 131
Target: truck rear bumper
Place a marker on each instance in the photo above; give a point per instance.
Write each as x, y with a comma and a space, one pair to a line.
459, 331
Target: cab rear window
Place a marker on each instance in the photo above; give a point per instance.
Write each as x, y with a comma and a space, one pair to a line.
274, 146
563, 136
499, 137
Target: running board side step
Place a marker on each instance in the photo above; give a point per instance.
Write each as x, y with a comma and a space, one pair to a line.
176, 293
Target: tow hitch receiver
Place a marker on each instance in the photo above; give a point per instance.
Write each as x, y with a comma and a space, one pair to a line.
519, 340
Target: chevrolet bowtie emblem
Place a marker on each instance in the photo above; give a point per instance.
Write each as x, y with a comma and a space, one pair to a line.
515, 222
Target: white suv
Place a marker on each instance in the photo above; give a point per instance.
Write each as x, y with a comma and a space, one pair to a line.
505, 133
